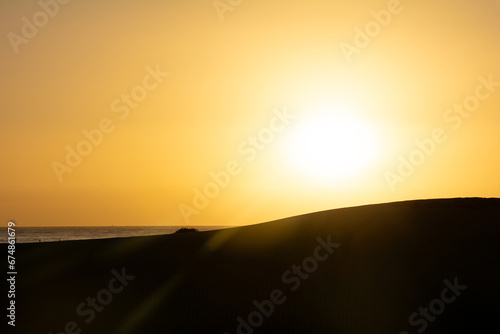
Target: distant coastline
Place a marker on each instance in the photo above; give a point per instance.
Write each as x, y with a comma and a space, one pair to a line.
67, 233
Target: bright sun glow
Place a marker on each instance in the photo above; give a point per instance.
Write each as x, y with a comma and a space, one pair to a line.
332, 145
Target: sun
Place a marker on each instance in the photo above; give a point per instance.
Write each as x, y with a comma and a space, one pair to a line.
330, 145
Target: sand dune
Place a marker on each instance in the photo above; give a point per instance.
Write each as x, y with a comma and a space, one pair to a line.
419, 266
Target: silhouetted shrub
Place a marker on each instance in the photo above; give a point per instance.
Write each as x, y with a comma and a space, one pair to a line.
186, 230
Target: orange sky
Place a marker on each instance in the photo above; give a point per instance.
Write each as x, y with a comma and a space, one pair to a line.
305, 106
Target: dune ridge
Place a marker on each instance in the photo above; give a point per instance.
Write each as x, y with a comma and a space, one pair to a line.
391, 260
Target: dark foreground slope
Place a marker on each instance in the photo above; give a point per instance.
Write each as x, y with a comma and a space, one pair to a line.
392, 260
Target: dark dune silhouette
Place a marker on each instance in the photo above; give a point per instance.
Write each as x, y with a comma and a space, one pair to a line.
365, 269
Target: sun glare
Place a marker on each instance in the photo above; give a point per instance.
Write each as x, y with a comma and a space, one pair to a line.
332, 145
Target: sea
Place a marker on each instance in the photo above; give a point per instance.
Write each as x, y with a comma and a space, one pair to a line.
55, 234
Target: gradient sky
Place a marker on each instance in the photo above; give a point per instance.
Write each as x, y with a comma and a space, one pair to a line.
226, 81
